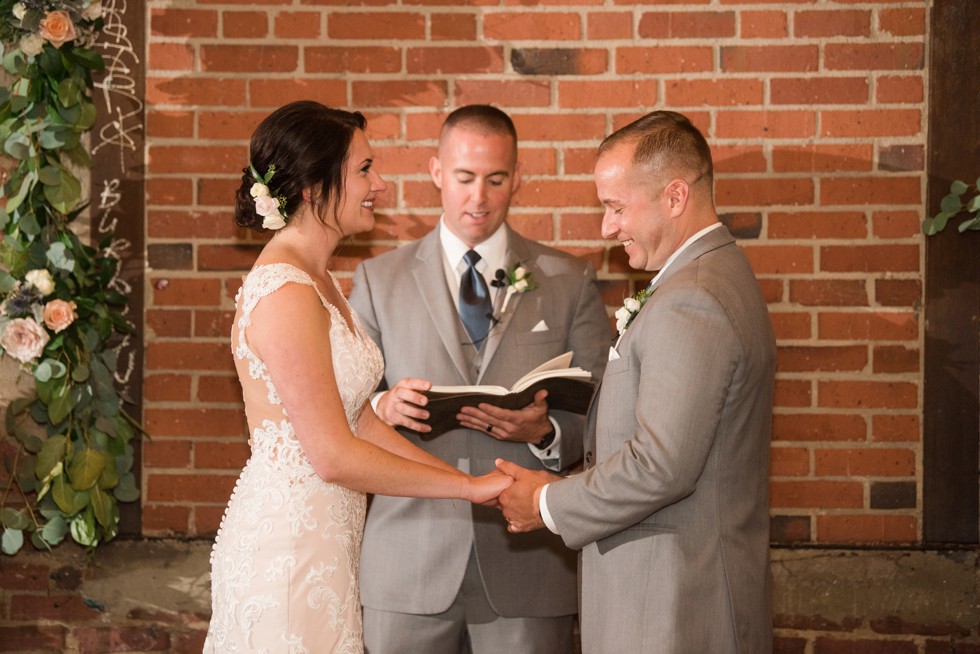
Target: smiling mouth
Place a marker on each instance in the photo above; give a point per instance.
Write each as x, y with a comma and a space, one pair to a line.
628, 243
479, 214
368, 204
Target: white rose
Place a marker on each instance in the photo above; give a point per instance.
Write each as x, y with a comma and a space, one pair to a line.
520, 286
19, 10
93, 11
24, 339
41, 280
31, 45
273, 221
266, 205
259, 190
519, 272
631, 304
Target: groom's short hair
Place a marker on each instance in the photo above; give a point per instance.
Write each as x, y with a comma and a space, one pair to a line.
666, 142
482, 118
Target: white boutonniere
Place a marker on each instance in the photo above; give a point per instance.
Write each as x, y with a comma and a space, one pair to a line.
517, 279
631, 307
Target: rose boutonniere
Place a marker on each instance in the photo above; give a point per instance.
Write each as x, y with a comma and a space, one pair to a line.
631, 307
517, 279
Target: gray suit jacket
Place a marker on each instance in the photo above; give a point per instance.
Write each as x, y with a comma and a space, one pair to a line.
415, 551
673, 516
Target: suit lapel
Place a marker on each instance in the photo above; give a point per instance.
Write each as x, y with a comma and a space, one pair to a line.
430, 277
516, 251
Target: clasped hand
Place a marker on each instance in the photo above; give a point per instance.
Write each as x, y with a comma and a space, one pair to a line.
516, 491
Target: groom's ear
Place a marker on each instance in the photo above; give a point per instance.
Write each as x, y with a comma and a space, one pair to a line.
435, 170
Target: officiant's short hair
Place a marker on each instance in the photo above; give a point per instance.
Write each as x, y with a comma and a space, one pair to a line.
481, 117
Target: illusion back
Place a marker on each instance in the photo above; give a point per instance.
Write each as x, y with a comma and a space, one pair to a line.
284, 564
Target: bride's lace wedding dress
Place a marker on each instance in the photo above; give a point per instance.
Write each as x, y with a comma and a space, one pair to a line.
284, 564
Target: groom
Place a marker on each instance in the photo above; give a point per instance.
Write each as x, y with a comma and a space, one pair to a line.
671, 512
445, 577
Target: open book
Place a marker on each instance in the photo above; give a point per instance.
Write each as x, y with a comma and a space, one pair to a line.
569, 389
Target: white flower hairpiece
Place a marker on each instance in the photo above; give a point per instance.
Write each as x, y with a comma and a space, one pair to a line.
631, 307
267, 205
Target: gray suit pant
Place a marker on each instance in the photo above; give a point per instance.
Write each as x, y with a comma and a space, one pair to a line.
469, 626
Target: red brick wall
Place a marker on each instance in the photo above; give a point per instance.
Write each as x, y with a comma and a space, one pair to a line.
816, 115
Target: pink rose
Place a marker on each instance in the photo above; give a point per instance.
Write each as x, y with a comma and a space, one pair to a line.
57, 28
266, 205
58, 314
24, 339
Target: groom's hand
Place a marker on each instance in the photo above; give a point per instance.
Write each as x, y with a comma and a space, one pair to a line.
527, 425
519, 502
402, 404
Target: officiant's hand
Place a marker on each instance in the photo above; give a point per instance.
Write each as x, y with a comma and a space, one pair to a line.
527, 425
402, 404
519, 501
485, 488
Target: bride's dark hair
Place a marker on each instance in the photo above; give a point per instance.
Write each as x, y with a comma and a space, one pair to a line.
308, 144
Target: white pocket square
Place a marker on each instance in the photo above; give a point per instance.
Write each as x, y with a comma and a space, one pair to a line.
540, 327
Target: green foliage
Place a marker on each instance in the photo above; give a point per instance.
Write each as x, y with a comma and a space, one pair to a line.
60, 315
954, 204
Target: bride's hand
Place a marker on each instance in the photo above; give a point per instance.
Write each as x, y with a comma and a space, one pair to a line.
485, 489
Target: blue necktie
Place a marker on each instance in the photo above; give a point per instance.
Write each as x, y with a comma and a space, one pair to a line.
474, 300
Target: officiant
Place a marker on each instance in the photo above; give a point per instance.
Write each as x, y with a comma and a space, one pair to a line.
474, 302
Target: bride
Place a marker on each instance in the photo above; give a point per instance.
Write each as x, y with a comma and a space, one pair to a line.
284, 564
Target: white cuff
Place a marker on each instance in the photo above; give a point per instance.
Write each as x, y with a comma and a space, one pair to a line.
375, 399
549, 522
550, 455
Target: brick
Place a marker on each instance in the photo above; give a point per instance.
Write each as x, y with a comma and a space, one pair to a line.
895, 359
399, 94
828, 292
664, 59
907, 21
188, 159
539, 161
766, 124
869, 258
789, 529
166, 454
510, 93
899, 90
122, 639
351, 59
816, 494
868, 529
382, 125
815, 623
224, 257
743, 225
194, 23
206, 521
772, 290
790, 325
198, 487
165, 387
792, 393
219, 388
246, 58
823, 158
819, 427
196, 422
864, 462
870, 122
603, 25
825, 645
818, 224
382, 26
176, 91
579, 227
874, 56
944, 646
819, 90
228, 125
245, 24
895, 428
562, 127
898, 292
452, 27
833, 358
889, 190
221, 193
769, 58
896, 224
739, 159
171, 56
867, 394
170, 256
763, 25
214, 324
297, 25
59, 607
181, 355
169, 124
33, 638
764, 192
789, 462
23, 576
559, 61
833, 23
548, 193
220, 455
893, 624
611, 93
442, 60
162, 192
537, 26
902, 158
170, 323
186, 292
274, 93
718, 92
163, 520
893, 495
686, 25
178, 224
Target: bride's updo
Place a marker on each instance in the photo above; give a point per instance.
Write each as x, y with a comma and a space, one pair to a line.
307, 144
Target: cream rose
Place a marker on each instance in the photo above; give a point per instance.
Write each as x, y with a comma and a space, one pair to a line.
24, 339
259, 190
266, 205
40, 279
58, 314
93, 11
57, 28
31, 45
273, 221
19, 10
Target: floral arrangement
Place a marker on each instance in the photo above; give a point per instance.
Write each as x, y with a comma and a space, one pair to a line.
59, 316
516, 278
267, 205
631, 307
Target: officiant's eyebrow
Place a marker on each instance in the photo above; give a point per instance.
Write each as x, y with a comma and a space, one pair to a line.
497, 173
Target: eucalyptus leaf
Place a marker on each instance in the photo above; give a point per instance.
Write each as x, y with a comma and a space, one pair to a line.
82, 529
55, 530
126, 491
53, 139
60, 257
102, 505
11, 541
951, 204
50, 175
64, 495
13, 518
60, 405
68, 91
110, 475
51, 455
80, 373
66, 195
958, 187
85, 469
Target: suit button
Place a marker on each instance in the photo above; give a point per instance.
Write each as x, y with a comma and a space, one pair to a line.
588, 457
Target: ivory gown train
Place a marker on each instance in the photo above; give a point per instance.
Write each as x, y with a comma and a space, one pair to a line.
285, 560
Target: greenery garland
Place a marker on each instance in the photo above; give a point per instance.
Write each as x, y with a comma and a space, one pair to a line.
59, 317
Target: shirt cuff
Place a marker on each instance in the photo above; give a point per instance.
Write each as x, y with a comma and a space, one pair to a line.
549, 522
549, 456
375, 399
